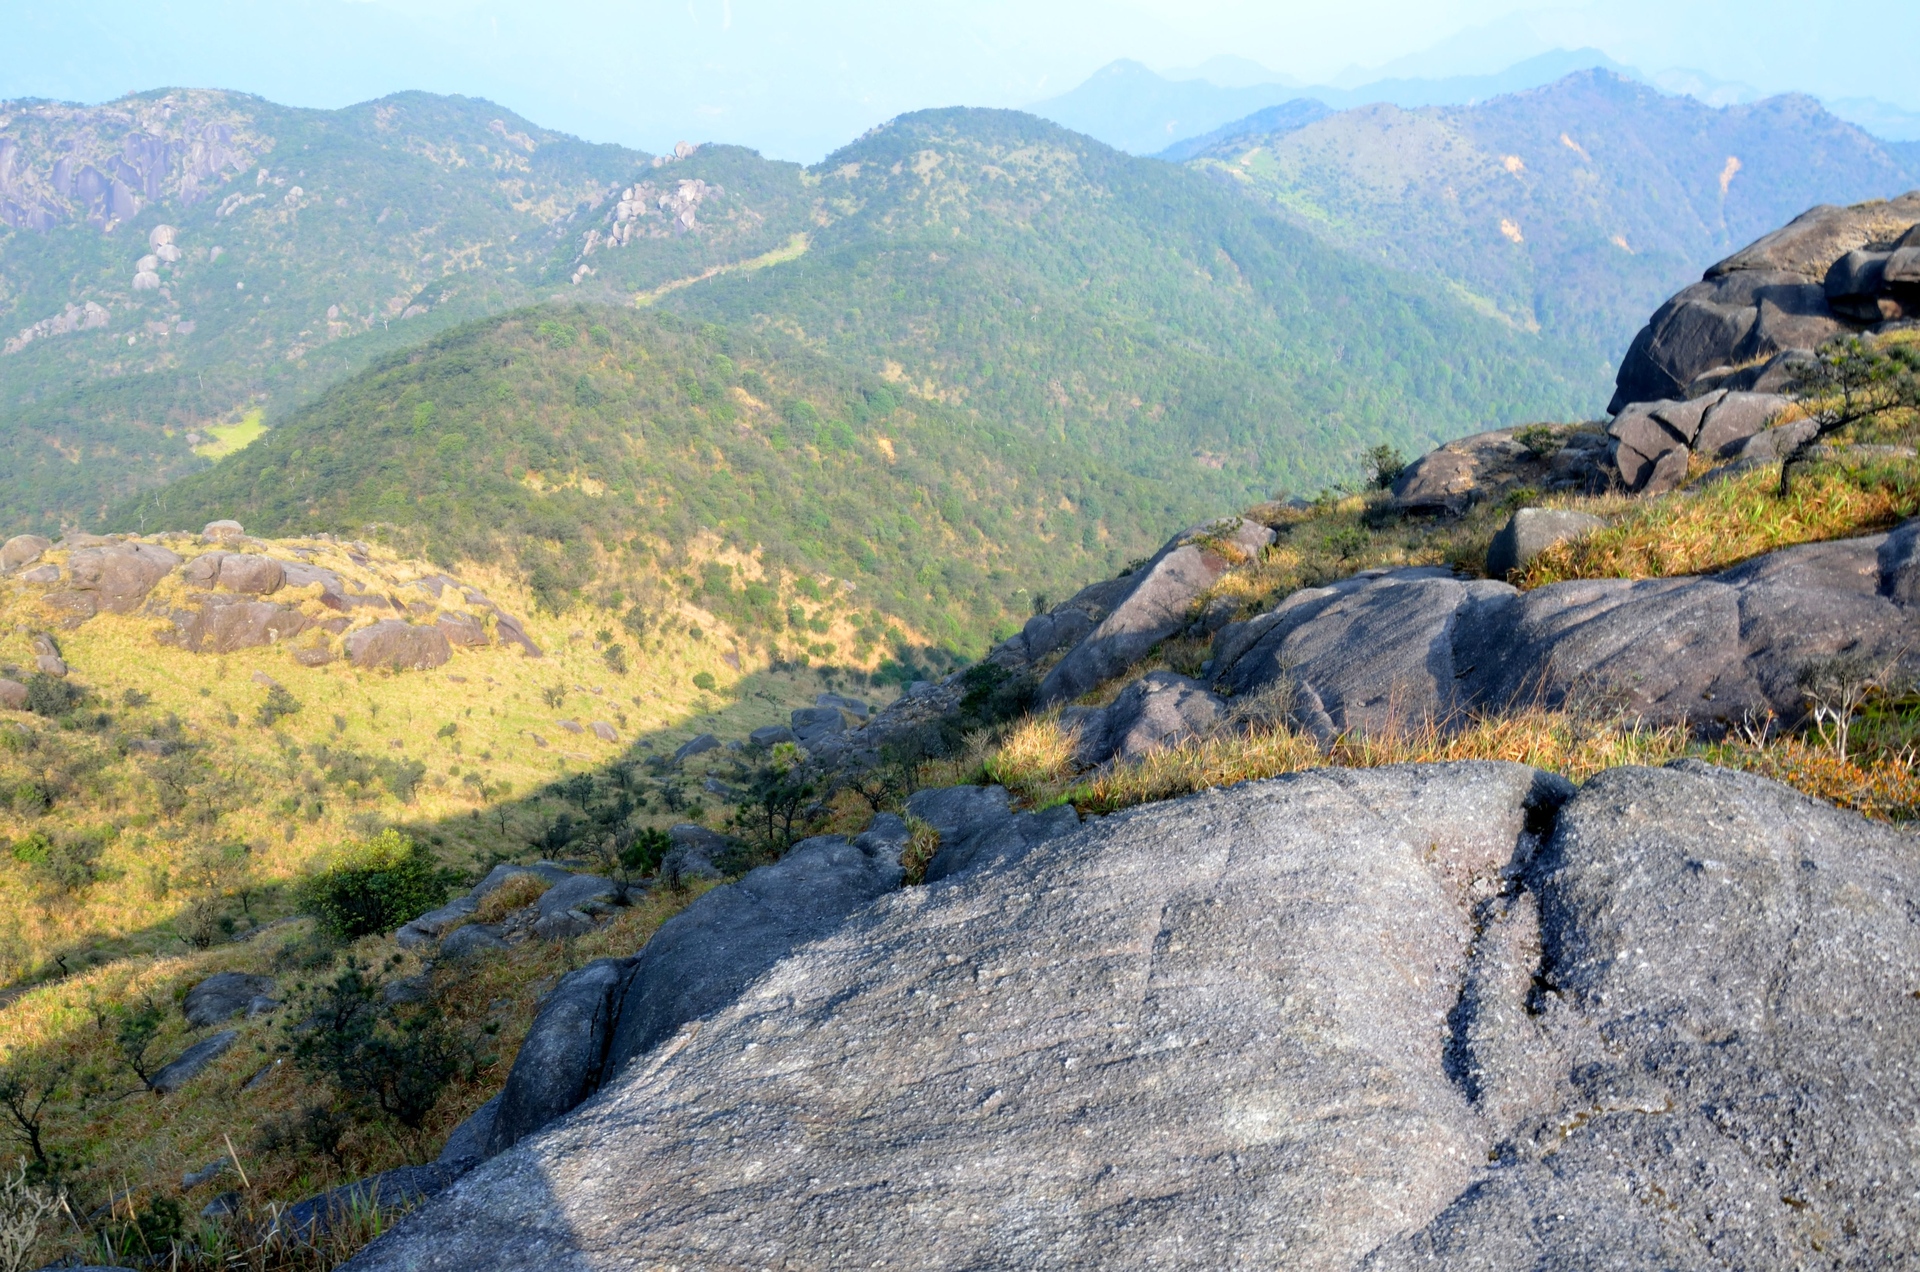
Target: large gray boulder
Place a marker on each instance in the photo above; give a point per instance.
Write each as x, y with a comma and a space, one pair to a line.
191, 1063
1155, 606
1531, 531
116, 577
22, 549
250, 573
1405, 648
398, 644
978, 827
1793, 289
225, 995
702, 958
1158, 710
1427, 1016
561, 1061
215, 624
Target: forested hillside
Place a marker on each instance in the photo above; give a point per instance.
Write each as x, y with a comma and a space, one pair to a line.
176, 261
1570, 210
1131, 310
588, 448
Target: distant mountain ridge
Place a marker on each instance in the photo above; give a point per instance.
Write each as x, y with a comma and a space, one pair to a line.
1571, 209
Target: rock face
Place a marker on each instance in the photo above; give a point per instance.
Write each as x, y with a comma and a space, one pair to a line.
399, 645
1652, 442
116, 577
1449, 1015
1824, 274
1155, 606
215, 624
1160, 709
1397, 648
1483, 468
22, 549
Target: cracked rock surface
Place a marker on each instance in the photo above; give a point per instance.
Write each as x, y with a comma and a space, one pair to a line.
1445, 1015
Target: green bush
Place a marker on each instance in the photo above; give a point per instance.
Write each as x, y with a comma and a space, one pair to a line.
51, 696
377, 885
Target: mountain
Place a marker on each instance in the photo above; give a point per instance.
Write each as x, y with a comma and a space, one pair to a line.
1259, 127
1130, 107
1141, 314
177, 260
588, 448
1571, 209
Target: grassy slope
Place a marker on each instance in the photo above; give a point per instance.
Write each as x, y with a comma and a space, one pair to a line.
591, 446
1615, 190
227, 824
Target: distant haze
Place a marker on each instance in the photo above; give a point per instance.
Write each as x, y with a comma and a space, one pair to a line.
797, 80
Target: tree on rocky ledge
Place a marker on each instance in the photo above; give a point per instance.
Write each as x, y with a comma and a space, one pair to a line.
1850, 382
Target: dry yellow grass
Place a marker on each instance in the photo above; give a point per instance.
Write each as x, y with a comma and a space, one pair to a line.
518, 891
1708, 529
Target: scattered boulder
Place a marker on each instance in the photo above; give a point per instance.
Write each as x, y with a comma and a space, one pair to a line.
604, 731
466, 1147
575, 892
50, 665
852, 706
699, 744
462, 629
694, 852
22, 549
1155, 606
510, 632
192, 1062
472, 941
1484, 467
1160, 709
562, 1059
1448, 1015
42, 574
250, 573
1531, 531
13, 695
388, 1191
770, 736
205, 1175
434, 924
811, 724
220, 531
298, 574
118, 576
216, 624
398, 644
225, 995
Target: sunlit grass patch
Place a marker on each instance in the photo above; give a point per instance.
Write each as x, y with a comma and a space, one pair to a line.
225, 439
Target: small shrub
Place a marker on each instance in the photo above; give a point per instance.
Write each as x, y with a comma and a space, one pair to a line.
554, 695
384, 1059
278, 704
704, 680
51, 696
378, 884
616, 659
1384, 465
1539, 439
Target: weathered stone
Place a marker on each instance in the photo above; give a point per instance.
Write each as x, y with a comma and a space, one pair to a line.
118, 577
704, 956
1734, 419
13, 695
1158, 710
398, 644
472, 941
1157, 605
1854, 283
462, 629
467, 1145
298, 574
698, 744
1139, 1044
246, 572
510, 632
434, 924
220, 531
853, 706
50, 665
386, 1192
694, 852
1797, 317
1810, 243
573, 892
22, 549
1777, 442
225, 995
41, 574
1531, 531
770, 736
604, 731
225, 624
977, 827
205, 1175
561, 1062
1439, 481
192, 1062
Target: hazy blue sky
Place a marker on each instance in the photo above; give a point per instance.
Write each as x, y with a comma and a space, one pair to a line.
796, 79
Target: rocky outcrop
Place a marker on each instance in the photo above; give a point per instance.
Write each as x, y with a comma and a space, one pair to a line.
1452, 1015
1531, 531
1393, 649
111, 576
1159, 709
1831, 271
1652, 443
191, 1062
1485, 467
212, 623
225, 995
1156, 604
